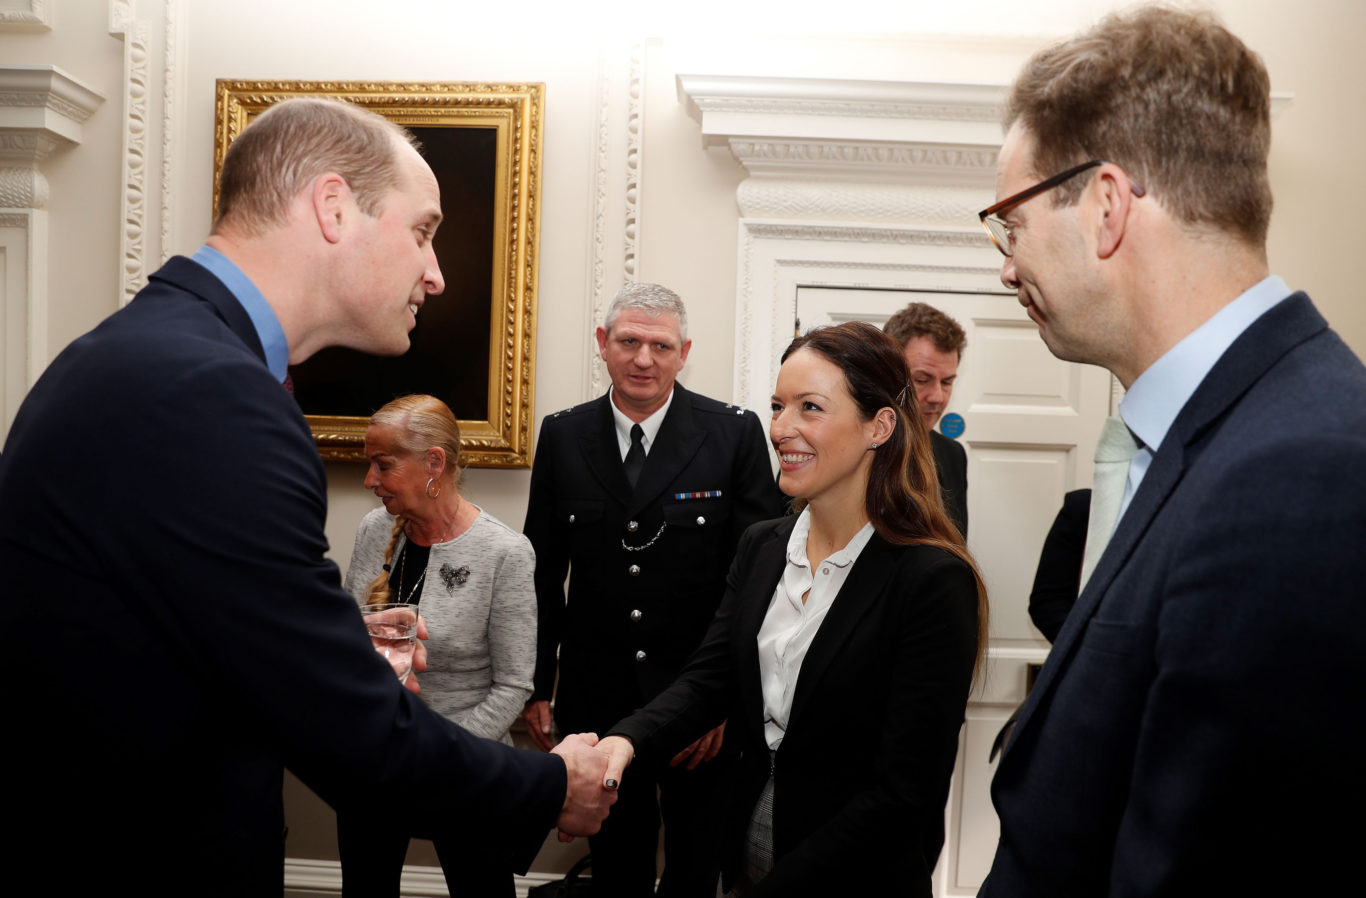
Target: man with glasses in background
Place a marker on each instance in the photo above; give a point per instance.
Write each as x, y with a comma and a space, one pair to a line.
1195, 728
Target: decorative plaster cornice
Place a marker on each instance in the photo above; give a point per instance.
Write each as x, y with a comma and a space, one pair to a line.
908, 152
881, 161
860, 201
942, 101
38, 17
971, 238
844, 113
30, 145
22, 188
44, 99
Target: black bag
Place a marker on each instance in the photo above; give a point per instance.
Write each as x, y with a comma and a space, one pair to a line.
574, 885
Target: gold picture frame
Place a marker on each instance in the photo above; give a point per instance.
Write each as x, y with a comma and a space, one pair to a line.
483, 142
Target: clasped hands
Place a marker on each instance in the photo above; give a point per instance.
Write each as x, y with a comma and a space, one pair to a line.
595, 767
598, 765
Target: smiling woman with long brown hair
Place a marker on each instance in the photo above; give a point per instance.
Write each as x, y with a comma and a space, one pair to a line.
846, 644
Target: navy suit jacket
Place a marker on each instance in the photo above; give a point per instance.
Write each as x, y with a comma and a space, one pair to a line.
862, 774
634, 615
183, 638
1197, 727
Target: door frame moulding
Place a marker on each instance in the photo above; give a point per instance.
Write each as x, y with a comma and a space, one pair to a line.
850, 183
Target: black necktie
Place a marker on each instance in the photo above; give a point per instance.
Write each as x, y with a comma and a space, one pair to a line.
635, 456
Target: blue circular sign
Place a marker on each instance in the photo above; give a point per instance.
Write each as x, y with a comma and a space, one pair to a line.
952, 425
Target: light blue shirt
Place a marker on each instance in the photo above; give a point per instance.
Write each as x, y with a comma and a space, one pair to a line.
1159, 394
262, 316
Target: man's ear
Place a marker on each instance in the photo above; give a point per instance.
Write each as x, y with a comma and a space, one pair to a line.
1115, 194
332, 201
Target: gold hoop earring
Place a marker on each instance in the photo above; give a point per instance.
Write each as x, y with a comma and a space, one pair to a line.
427, 491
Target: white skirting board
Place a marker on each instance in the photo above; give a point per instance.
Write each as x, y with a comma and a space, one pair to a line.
322, 879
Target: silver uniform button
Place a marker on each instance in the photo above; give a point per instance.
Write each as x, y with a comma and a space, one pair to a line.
632, 526
701, 520
571, 519
635, 615
634, 570
640, 656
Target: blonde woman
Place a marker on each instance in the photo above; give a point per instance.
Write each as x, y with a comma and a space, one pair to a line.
471, 575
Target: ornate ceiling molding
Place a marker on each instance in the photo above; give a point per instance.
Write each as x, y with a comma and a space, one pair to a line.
25, 15
871, 130
41, 108
849, 182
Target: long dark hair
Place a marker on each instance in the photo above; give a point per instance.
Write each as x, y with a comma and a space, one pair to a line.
903, 501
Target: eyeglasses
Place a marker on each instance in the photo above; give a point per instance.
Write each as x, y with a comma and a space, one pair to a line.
999, 231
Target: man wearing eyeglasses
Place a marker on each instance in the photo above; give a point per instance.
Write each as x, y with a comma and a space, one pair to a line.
1196, 727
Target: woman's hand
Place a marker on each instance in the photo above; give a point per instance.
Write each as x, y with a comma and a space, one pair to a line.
419, 657
620, 752
704, 749
537, 717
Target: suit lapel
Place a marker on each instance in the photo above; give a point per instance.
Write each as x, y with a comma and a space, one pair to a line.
1264, 343
677, 441
860, 594
765, 569
598, 443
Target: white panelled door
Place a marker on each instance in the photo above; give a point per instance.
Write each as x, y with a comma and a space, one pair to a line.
1031, 427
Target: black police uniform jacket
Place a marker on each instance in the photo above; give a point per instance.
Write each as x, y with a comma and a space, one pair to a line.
647, 567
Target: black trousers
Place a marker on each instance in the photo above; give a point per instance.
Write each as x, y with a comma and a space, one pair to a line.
372, 862
692, 804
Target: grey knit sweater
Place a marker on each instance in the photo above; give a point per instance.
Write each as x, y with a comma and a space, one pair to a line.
482, 649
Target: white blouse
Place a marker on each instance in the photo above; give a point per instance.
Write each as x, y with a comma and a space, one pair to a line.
791, 624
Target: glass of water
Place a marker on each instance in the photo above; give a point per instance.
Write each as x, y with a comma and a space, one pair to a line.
393, 632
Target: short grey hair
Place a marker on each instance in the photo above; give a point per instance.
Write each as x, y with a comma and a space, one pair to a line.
652, 299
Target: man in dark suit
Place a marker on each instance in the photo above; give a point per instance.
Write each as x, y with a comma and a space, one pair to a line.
1196, 727
933, 344
641, 496
183, 637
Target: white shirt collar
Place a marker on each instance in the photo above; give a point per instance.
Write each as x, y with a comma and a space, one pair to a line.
650, 426
796, 543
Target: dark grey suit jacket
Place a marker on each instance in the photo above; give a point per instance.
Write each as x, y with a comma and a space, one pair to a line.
185, 637
1198, 726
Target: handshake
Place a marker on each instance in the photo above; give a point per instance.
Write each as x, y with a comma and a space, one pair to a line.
595, 768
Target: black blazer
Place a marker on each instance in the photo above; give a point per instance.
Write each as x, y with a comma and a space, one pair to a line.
633, 617
1197, 726
162, 498
862, 774
951, 463
1058, 575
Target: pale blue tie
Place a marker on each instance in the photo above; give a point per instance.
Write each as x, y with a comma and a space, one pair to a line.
1113, 454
